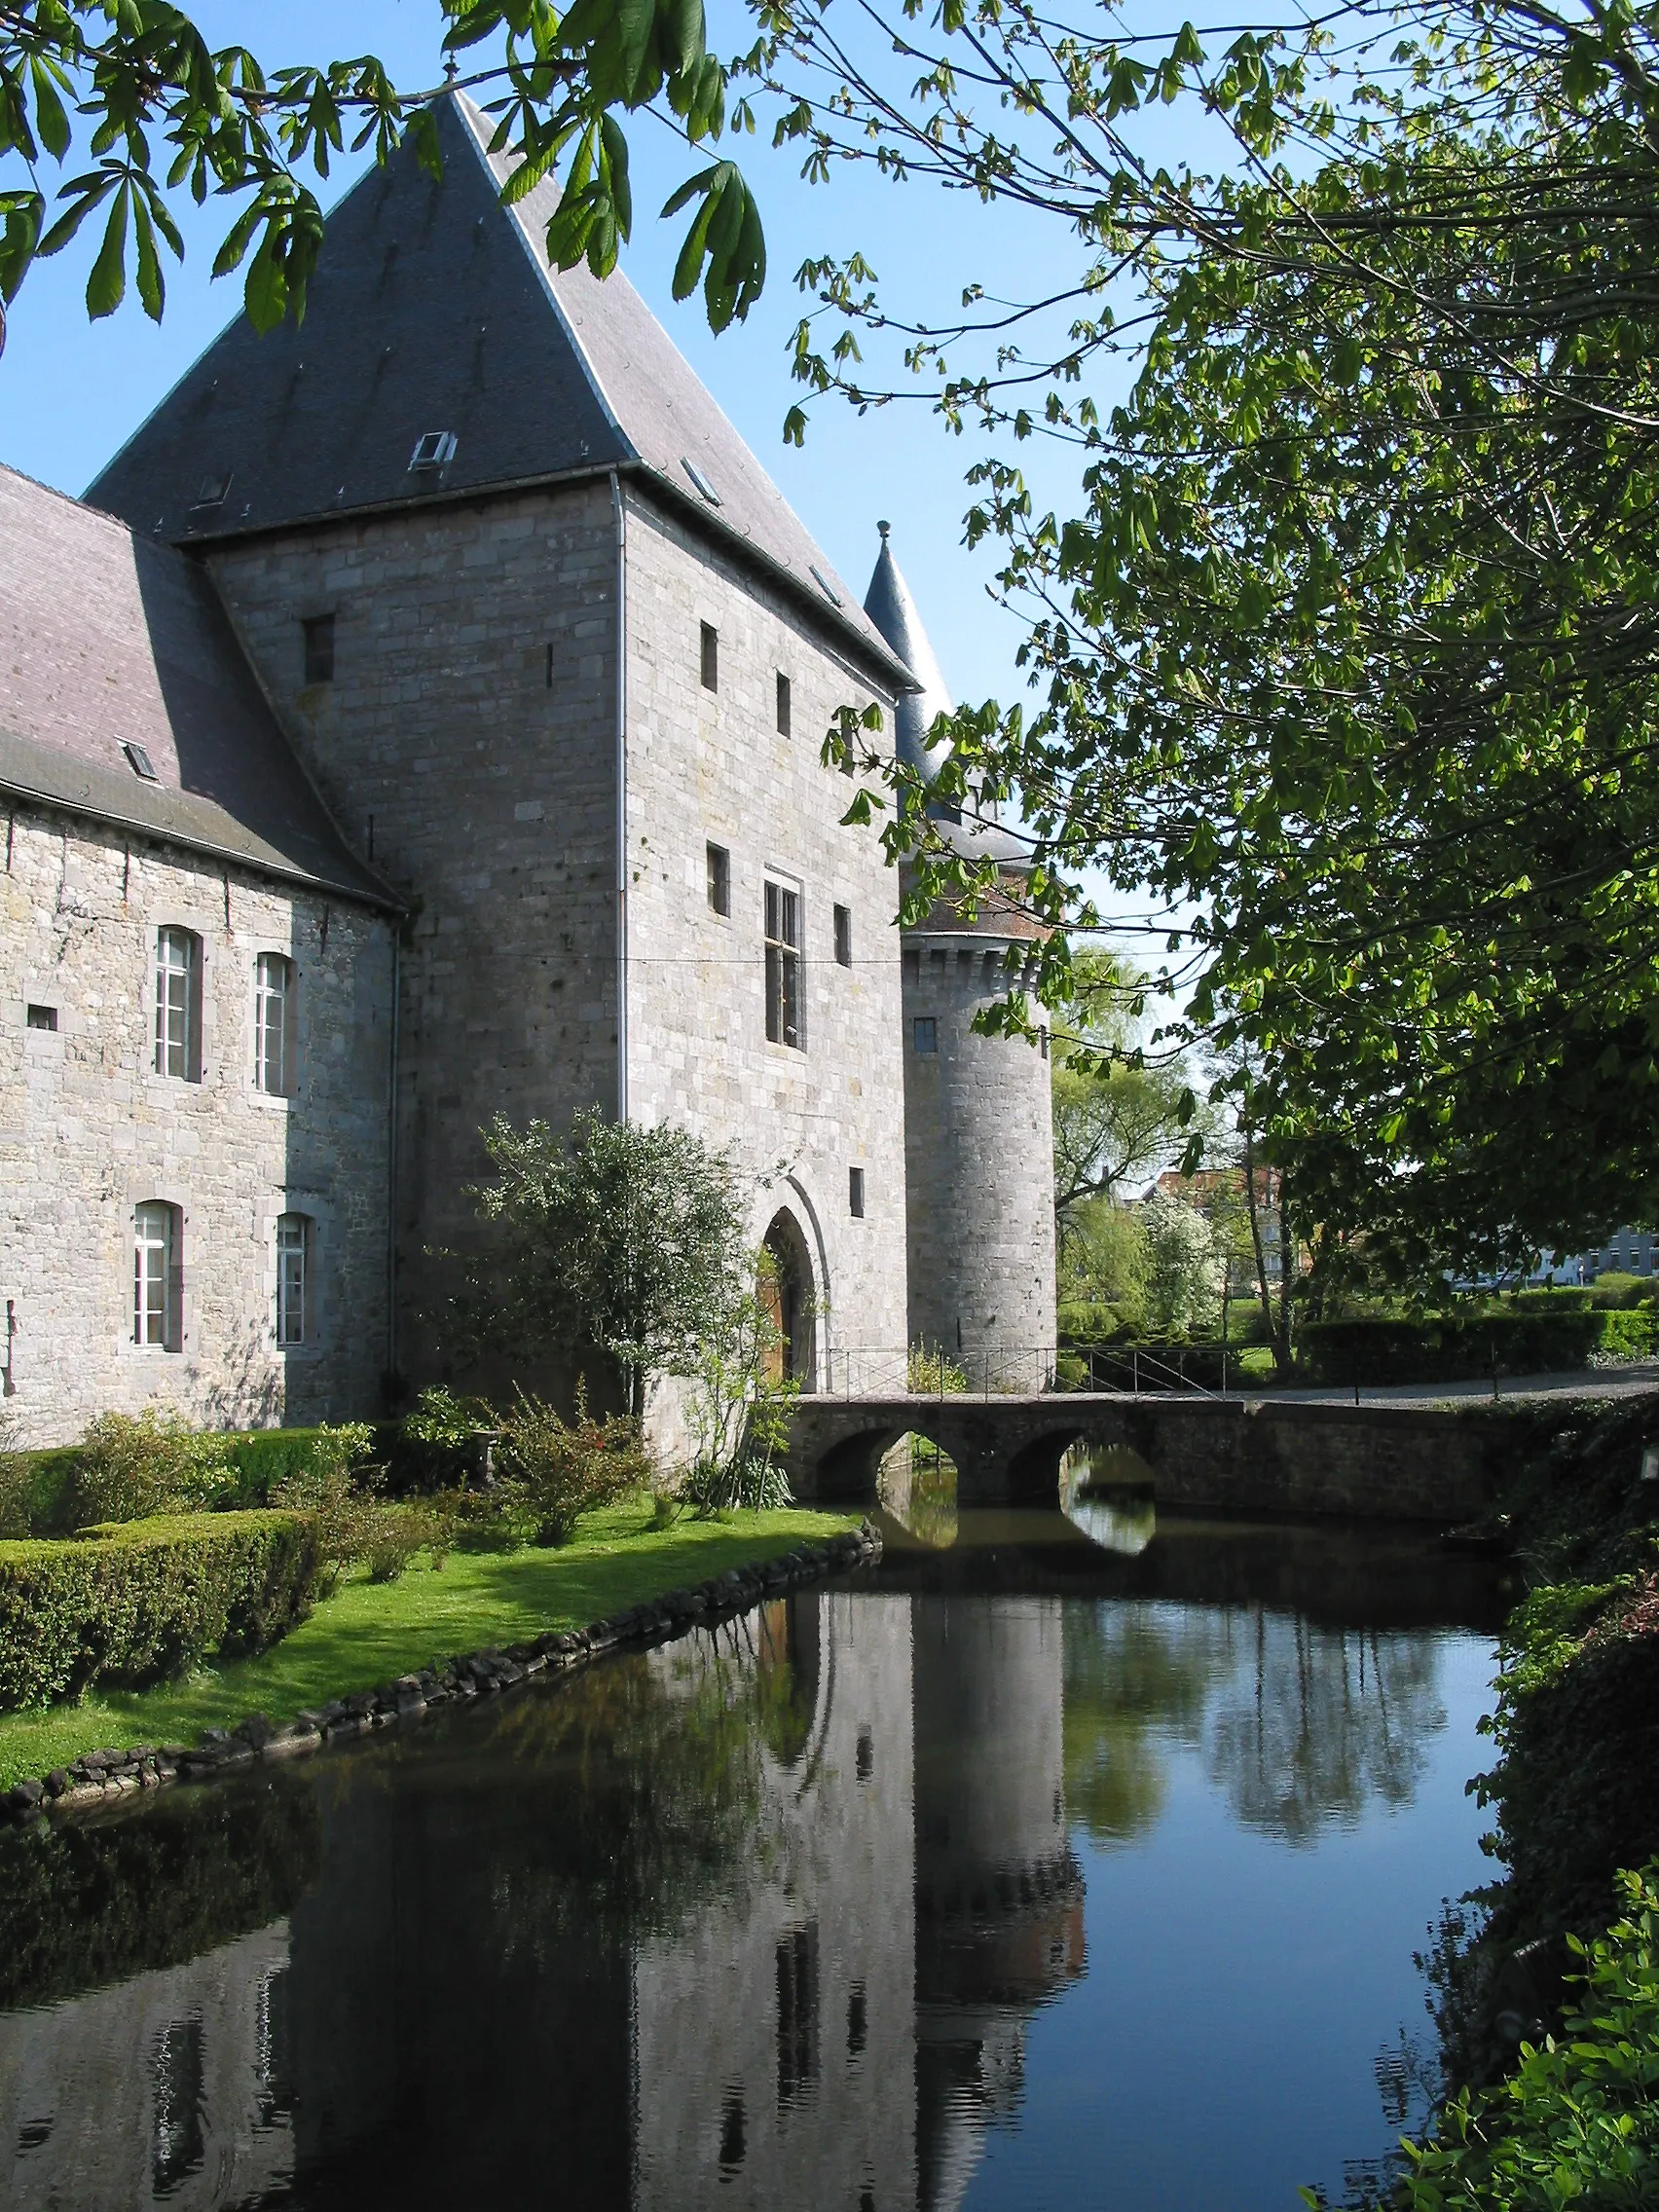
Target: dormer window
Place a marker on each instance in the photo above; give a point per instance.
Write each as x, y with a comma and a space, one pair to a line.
138, 761
434, 450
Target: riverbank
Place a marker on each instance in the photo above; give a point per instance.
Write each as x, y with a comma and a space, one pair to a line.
368, 1633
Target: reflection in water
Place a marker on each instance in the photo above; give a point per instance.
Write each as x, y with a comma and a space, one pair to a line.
918, 1485
768, 1916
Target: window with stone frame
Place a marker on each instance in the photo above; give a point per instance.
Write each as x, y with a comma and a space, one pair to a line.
844, 935
274, 1024
158, 1276
783, 965
178, 1004
294, 1324
924, 1033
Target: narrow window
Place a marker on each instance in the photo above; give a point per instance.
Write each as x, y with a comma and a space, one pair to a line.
858, 2020
43, 1017
844, 935
711, 657
855, 1193
1042, 1043
293, 1255
924, 1033
272, 1024
158, 1277
178, 1004
318, 632
783, 704
783, 965
720, 880
797, 2011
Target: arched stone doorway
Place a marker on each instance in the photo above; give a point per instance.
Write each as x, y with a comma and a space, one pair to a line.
786, 1293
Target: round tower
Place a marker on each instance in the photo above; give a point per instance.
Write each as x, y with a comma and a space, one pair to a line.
979, 1141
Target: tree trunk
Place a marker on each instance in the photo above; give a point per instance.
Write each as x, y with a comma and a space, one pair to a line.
1278, 1325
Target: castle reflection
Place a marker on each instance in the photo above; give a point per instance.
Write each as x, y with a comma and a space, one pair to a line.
761, 1918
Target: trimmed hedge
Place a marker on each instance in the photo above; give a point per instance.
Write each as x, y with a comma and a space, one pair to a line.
146, 1599
1462, 1348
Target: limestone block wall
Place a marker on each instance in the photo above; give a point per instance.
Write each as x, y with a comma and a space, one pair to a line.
466, 741
89, 1131
980, 1171
712, 767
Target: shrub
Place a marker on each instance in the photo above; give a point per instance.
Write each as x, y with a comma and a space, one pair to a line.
1578, 2120
563, 1470
1466, 1345
132, 1466
931, 1374
1615, 1289
343, 1512
754, 1481
145, 1599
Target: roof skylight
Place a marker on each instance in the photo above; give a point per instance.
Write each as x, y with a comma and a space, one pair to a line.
433, 449
701, 481
211, 491
138, 761
824, 585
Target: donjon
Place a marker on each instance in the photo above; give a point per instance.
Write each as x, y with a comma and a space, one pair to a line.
420, 722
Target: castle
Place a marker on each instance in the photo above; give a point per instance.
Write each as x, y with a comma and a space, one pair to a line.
420, 721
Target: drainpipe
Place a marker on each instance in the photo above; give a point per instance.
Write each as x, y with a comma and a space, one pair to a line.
620, 513
392, 1155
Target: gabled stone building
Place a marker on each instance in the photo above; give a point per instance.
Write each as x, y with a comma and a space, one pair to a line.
496, 612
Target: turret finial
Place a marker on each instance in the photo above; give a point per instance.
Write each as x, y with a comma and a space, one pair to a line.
884, 528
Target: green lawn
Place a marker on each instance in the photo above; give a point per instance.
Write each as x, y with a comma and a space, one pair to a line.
367, 1632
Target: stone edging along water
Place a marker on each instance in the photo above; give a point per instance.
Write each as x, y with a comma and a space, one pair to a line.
99, 1777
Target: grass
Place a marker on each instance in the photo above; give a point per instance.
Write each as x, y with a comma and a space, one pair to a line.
368, 1633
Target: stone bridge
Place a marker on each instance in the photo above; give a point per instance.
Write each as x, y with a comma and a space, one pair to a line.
1222, 1455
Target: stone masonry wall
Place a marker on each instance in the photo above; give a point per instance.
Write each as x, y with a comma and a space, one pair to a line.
471, 721
981, 1172
712, 767
89, 1131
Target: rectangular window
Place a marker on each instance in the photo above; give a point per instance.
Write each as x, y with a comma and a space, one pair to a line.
797, 2011
293, 1239
158, 1277
318, 632
720, 880
844, 935
711, 658
924, 1033
783, 965
855, 1193
178, 1004
43, 1017
273, 1015
783, 704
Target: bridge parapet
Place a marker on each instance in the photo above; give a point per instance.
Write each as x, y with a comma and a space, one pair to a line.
1224, 1455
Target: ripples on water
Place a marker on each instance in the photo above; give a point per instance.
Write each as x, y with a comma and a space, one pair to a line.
1080, 1862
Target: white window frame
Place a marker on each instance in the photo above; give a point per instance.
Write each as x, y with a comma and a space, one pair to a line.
177, 983
274, 1024
293, 1318
782, 903
158, 1276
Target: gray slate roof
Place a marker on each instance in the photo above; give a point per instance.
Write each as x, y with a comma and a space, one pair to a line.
104, 637
433, 308
891, 608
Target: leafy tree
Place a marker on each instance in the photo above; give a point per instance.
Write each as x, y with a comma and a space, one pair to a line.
1117, 1119
1185, 1269
131, 98
1351, 640
1103, 1260
613, 1239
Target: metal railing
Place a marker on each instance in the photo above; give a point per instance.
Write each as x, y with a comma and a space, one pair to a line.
884, 1371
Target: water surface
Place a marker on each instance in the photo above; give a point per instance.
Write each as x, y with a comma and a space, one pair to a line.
1076, 1862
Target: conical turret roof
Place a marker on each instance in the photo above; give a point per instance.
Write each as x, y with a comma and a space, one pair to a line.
892, 607
434, 315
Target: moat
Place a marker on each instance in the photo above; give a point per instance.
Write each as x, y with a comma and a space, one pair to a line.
1060, 1861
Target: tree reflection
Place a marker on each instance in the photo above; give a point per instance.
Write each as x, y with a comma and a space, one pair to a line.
1299, 1725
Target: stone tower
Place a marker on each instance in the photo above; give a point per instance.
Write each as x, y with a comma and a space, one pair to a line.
979, 1146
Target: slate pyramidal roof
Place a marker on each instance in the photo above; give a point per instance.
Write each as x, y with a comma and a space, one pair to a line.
434, 308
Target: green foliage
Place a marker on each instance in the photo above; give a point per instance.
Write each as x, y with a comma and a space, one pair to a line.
738, 1411
83, 82
1117, 1119
1185, 1268
1613, 1289
1525, 1339
439, 1416
344, 1518
130, 1467
1103, 1260
562, 1469
147, 1599
36, 1489
616, 1239
932, 1372
1578, 2122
